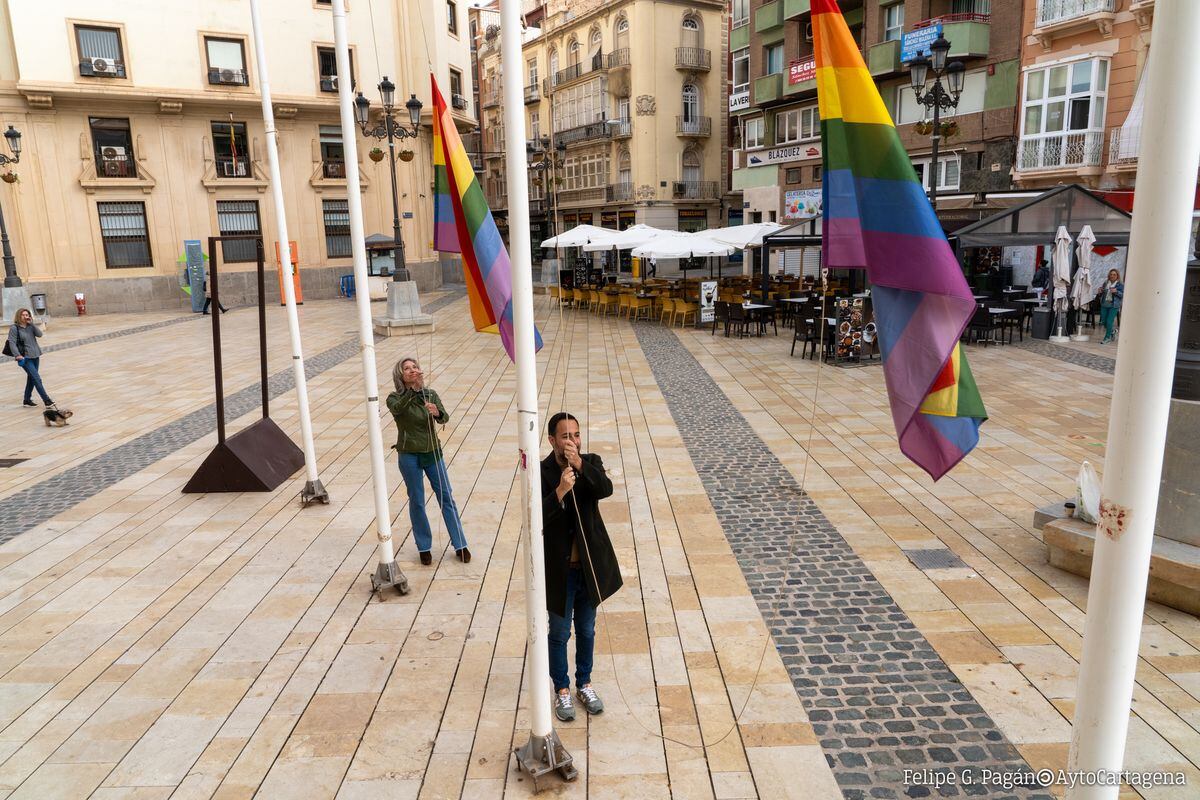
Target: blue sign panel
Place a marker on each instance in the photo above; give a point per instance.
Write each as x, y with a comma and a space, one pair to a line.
916, 42
193, 255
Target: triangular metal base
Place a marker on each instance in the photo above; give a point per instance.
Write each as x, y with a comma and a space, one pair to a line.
542, 755
256, 459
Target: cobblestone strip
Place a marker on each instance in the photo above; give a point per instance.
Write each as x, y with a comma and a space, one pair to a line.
30, 507
103, 337
1070, 355
879, 698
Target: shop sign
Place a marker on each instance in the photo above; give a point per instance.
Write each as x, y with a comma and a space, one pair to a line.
627, 219
916, 42
802, 204
801, 71
608, 219
585, 219
739, 101
791, 152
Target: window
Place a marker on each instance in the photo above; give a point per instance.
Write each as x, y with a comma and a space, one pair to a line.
1062, 121
741, 13
792, 175
535, 126
531, 72
573, 51
754, 132
624, 168
797, 125
112, 145
773, 59
585, 171
238, 218
456, 84
948, 172
691, 104
971, 100
594, 47
971, 6
124, 232
230, 149
741, 70
893, 22
579, 105
553, 64
691, 33
691, 166
100, 53
622, 37
327, 67
337, 228
452, 17
817, 173
333, 158
226, 61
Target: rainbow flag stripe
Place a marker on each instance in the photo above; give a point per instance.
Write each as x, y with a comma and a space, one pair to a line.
878, 217
461, 214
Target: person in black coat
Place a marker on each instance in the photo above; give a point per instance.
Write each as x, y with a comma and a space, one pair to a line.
581, 565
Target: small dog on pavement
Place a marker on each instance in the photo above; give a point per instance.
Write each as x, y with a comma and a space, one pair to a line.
57, 417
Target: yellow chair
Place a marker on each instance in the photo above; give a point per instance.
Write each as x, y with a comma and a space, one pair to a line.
607, 301
624, 303
668, 309
554, 295
593, 300
581, 299
639, 304
683, 309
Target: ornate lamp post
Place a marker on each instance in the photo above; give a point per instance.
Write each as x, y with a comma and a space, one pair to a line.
388, 128
547, 167
937, 96
11, 281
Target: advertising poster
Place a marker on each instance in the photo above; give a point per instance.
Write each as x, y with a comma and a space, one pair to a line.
708, 294
802, 204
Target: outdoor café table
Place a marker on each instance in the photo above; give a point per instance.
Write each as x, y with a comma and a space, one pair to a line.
1032, 301
755, 311
981, 296
1016, 291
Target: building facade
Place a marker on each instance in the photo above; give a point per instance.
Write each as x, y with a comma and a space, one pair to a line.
777, 163
143, 129
623, 108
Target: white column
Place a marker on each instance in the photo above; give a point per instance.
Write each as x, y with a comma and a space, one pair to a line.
313, 489
1137, 429
528, 430
362, 295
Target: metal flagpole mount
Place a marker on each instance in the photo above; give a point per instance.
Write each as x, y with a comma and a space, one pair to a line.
542, 755
314, 492
389, 575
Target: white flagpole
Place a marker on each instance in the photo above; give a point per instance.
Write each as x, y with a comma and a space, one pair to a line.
387, 573
1137, 427
543, 752
314, 490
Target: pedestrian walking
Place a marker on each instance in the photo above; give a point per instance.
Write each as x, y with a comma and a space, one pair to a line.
1110, 304
416, 408
22, 344
581, 565
208, 300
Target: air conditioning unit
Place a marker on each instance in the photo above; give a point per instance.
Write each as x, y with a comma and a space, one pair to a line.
329, 83
233, 169
104, 67
112, 160
459, 102
808, 33
679, 189
230, 77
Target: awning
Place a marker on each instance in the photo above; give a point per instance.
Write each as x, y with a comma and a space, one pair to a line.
1036, 220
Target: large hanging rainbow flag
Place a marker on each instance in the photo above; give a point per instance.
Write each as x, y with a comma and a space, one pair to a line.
878, 217
461, 214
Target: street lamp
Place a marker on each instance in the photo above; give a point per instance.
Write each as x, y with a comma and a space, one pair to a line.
388, 128
937, 97
547, 166
13, 137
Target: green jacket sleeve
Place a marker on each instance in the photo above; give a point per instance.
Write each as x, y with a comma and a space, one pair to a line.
443, 415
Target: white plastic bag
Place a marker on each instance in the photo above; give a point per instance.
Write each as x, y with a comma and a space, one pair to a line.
1087, 494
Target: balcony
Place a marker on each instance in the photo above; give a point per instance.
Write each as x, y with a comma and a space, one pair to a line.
796, 8
621, 128
768, 16
1057, 18
585, 133
693, 127
333, 168
696, 59
537, 205
884, 59
115, 165
619, 59
233, 167
768, 88
591, 194
1124, 145
969, 34
1073, 153
620, 192
695, 190
596, 63
533, 93
797, 81
491, 98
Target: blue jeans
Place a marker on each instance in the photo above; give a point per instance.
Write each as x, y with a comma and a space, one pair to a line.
33, 380
580, 603
1108, 317
413, 474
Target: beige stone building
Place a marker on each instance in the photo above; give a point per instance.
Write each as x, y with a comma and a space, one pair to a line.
143, 129
631, 96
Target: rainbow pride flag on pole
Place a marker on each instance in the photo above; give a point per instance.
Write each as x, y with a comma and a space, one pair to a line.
878, 217
461, 214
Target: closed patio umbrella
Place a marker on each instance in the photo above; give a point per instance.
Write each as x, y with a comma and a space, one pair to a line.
1061, 279
1082, 290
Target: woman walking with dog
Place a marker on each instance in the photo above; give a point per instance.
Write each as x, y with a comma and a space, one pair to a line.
416, 408
22, 344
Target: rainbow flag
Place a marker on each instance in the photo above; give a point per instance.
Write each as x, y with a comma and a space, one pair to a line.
461, 214
878, 217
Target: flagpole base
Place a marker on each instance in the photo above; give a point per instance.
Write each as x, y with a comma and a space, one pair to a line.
314, 492
388, 575
1060, 339
542, 755
404, 315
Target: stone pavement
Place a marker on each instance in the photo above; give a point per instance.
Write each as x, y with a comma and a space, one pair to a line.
154, 644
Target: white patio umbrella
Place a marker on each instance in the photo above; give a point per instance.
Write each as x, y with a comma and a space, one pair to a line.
676, 244
743, 236
633, 236
577, 236
1082, 290
1061, 278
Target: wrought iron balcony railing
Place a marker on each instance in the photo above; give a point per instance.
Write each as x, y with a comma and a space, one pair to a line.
695, 58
